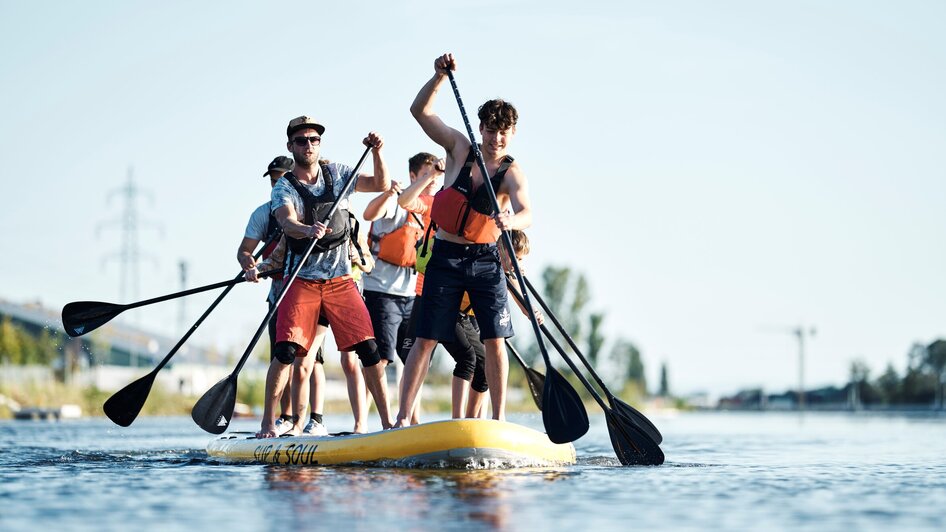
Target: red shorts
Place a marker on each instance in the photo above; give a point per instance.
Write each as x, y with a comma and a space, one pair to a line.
339, 301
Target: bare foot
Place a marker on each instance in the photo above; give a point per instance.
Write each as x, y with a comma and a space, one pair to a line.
266, 432
359, 429
294, 431
399, 424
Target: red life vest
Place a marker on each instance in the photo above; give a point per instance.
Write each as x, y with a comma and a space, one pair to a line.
466, 212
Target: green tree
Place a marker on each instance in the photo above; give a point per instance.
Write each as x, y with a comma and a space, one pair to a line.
664, 381
595, 337
888, 385
11, 346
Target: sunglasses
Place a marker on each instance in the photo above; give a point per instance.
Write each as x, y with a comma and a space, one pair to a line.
304, 141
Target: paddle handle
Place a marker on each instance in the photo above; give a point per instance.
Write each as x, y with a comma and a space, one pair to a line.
507, 240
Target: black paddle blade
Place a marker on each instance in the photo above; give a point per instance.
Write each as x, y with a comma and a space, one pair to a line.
563, 413
214, 409
633, 416
536, 383
80, 317
632, 445
125, 404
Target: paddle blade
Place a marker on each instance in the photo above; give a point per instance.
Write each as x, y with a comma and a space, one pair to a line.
214, 409
563, 413
81, 317
632, 445
125, 404
633, 416
536, 383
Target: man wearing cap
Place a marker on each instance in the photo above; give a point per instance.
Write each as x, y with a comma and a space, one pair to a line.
324, 283
262, 227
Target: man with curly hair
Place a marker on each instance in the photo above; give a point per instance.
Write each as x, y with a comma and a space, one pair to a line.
465, 254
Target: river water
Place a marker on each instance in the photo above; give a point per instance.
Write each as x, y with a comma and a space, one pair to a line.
723, 471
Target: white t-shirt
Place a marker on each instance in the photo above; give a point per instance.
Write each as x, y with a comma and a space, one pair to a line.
389, 278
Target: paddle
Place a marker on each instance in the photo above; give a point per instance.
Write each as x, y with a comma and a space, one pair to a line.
125, 404
631, 445
535, 379
618, 405
214, 409
81, 317
563, 413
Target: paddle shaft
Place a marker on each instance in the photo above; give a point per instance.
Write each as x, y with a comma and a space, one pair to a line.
568, 338
216, 302
607, 410
295, 272
507, 240
516, 354
232, 282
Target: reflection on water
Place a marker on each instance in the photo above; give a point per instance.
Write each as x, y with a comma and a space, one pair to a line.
478, 496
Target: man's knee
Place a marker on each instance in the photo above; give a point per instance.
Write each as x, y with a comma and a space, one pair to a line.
286, 352
367, 351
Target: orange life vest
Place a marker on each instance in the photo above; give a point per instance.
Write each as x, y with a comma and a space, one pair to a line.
399, 247
466, 212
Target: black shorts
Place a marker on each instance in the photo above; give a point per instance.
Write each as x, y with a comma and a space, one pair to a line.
457, 268
389, 317
467, 351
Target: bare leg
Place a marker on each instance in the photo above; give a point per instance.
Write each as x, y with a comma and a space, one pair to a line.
276, 378
415, 370
476, 405
302, 370
317, 390
357, 393
497, 371
285, 401
459, 390
377, 383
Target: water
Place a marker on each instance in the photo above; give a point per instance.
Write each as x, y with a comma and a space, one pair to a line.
723, 471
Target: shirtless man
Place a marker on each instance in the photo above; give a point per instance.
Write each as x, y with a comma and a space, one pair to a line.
465, 256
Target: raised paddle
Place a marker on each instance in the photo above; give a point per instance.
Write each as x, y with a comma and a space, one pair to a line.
125, 404
214, 410
619, 406
563, 413
535, 380
631, 445
81, 317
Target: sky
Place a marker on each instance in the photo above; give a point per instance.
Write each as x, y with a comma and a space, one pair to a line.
721, 172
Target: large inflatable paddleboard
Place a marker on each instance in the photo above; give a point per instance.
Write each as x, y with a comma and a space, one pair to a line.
452, 443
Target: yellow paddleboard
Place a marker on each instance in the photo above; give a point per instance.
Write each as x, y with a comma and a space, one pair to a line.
451, 443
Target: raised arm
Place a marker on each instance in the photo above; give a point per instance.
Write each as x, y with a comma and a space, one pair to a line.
408, 199
383, 202
380, 180
423, 107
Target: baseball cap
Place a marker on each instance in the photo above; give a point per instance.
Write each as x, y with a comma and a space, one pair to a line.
303, 122
279, 164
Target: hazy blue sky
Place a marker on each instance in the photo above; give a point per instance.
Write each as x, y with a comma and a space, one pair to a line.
717, 169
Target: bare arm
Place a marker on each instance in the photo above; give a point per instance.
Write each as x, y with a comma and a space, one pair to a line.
423, 108
380, 181
273, 262
289, 221
409, 196
518, 189
380, 205
245, 253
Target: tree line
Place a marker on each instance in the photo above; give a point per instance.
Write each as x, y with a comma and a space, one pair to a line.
923, 381
20, 346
